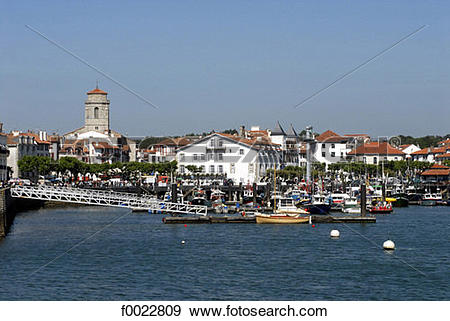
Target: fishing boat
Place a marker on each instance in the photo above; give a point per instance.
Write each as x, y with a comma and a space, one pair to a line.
382, 207
431, 199
401, 200
318, 205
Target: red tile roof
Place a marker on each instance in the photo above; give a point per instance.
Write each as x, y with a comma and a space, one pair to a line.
447, 155
444, 142
437, 166
97, 91
382, 148
259, 141
331, 137
430, 150
36, 138
325, 135
180, 141
436, 172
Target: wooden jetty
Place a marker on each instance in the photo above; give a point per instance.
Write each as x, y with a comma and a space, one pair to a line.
251, 219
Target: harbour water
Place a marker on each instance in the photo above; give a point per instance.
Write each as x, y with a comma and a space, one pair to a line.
139, 258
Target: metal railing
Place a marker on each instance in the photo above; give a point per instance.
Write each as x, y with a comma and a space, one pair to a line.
104, 198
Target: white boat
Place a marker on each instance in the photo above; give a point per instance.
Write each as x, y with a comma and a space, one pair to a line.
287, 206
280, 219
339, 198
351, 202
352, 210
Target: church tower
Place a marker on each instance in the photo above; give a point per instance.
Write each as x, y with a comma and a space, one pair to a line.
96, 112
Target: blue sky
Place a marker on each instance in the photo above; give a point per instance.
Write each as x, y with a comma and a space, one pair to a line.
219, 64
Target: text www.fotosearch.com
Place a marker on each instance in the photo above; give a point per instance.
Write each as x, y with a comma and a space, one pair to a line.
228, 311
240, 311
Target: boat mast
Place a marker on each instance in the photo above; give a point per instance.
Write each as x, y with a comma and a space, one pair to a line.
275, 188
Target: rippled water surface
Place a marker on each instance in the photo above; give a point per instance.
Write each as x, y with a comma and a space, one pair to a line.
139, 258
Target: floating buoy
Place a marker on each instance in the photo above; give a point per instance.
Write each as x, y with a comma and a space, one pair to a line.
389, 245
183, 242
335, 233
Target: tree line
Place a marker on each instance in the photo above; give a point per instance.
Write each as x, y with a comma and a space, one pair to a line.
42, 165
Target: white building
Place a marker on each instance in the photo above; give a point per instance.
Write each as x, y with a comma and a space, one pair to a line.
375, 153
240, 159
289, 141
164, 151
430, 154
3, 158
25, 144
332, 148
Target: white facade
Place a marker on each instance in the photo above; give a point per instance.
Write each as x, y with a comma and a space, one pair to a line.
3, 158
376, 159
330, 153
332, 148
242, 160
24, 144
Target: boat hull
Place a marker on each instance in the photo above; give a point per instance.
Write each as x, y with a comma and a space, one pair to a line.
278, 219
428, 203
318, 209
400, 202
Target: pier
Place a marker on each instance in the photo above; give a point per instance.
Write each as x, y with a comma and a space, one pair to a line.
251, 219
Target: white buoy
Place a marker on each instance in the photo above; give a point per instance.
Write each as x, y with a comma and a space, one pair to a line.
335, 233
389, 245
183, 242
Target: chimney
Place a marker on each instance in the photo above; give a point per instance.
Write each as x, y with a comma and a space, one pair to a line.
1, 127
242, 131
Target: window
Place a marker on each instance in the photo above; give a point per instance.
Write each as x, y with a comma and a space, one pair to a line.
211, 142
195, 157
220, 157
323, 154
202, 157
364, 159
181, 157
323, 145
241, 151
96, 112
332, 145
220, 169
232, 168
211, 168
375, 160
202, 168
332, 154
250, 168
182, 169
220, 143
209, 156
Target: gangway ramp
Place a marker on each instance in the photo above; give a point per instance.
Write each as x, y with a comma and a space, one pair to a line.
104, 198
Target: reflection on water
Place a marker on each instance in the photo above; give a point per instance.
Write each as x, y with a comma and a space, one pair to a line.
139, 258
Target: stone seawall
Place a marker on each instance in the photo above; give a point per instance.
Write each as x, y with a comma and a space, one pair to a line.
9, 206
6, 213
